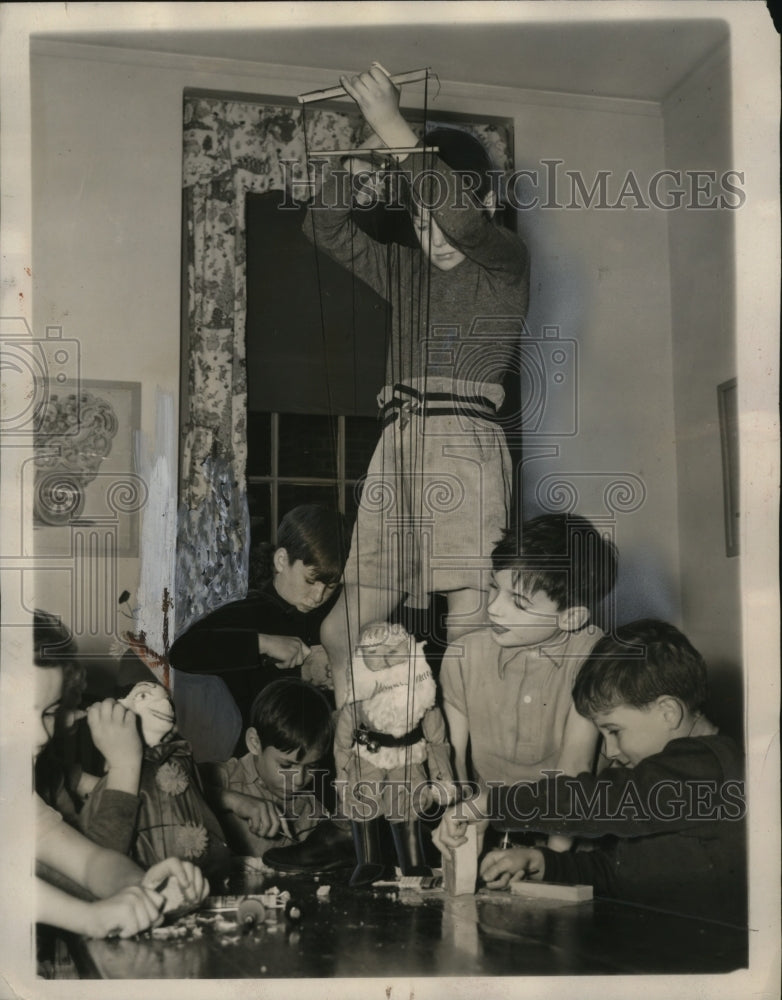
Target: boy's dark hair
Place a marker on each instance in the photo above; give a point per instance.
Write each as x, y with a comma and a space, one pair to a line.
292, 715
563, 555
636, 665
464, 153
54, 646
315, 534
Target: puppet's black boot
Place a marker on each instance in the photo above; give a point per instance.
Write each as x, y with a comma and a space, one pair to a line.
327, 848
370, 867
409, 848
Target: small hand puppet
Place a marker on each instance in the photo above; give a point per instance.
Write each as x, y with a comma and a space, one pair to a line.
173, 818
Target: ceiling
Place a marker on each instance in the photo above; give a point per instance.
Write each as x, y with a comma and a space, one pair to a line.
636, 59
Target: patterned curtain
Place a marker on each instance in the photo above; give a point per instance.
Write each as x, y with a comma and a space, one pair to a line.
232, 148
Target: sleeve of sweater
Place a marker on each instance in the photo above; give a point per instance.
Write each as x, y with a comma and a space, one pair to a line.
113, 822
329, 225
580, 868
674, 790
224, 640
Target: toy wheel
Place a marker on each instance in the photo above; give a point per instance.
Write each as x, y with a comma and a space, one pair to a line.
250, 912
293, 911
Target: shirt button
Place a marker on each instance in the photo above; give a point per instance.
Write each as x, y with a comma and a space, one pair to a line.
527, 699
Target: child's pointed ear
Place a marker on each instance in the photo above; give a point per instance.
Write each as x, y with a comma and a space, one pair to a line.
572, 619
280, 559
253, 740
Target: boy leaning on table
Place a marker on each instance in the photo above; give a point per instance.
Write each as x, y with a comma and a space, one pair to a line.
507, 687
672, 802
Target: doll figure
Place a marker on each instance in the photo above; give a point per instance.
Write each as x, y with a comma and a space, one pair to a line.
173, 818
391, 748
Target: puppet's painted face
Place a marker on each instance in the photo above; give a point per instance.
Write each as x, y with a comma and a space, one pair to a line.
152, 704
383, 645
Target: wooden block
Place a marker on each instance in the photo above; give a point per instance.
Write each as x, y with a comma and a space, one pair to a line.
550, 890
460, 866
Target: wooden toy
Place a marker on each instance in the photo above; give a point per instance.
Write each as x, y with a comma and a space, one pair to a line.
550, 890
460, 866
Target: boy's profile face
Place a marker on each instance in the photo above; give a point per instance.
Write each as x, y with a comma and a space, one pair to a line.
297, 583
281, 772
632, 734
518, 617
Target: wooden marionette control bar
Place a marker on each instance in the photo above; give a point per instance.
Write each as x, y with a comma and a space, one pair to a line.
413, 76
389, 150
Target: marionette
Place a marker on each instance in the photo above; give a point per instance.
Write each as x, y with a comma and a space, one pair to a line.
391, 749
173, 818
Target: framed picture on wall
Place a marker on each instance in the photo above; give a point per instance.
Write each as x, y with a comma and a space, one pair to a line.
727, 401
82, 482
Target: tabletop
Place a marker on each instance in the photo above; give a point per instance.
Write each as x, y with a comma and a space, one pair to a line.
335, 931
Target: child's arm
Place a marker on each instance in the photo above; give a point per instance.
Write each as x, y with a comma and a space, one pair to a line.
287, 651
576, 754
114, 731
378, 101
262, 816
128, 912
459, 736
99, 870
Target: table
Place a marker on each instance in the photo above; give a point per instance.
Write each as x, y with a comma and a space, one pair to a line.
381, 932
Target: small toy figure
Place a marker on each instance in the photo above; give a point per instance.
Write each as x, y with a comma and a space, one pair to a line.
388, 729
173, 818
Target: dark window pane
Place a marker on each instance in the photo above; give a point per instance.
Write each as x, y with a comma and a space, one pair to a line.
259, 503
291, 495
259, 451
308, 446
361, 435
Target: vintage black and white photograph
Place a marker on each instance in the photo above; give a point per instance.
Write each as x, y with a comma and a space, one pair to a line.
390, 445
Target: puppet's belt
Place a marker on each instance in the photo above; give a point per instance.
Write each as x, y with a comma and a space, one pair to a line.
374, 741
407, 402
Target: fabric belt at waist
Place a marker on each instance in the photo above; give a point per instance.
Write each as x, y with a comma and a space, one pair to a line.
408, 402
373, 741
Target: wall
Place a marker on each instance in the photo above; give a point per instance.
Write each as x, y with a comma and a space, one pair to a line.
698, 137
106, 239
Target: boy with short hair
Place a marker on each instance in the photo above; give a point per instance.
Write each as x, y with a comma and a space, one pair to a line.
507, 687
674, 797
255, 795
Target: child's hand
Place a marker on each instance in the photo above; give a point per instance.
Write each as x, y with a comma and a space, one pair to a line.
114, 730
127, 913
263, 817
287, 650
376, 96
315, 668
452, 831
499, 868
192, 884
439, 793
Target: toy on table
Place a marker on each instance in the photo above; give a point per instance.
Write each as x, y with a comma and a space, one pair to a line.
391, 749
460, 865
258, 908
551, 890
173, 819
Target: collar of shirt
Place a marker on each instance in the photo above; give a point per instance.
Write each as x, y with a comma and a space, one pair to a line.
552, 652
